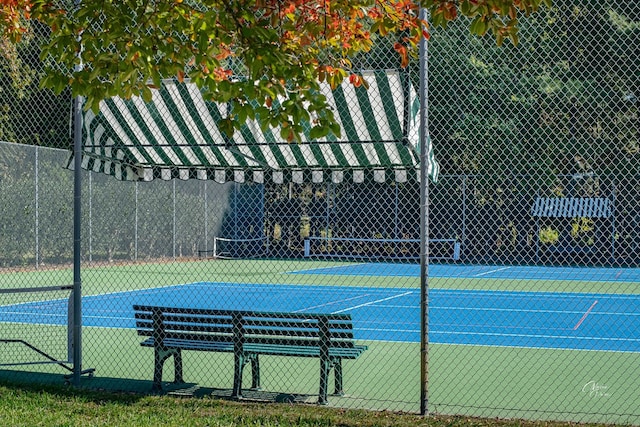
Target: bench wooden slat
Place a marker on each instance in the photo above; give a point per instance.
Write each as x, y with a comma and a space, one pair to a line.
241, 313
199, 337
190, 328
291, 315
352, 352
288, 323
147, 329
283, 342
172, 318
281, 332
191, 344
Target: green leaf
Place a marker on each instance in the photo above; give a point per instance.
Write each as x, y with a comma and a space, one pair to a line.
227, 128
147, 95
479, 26
318, 132
335, 129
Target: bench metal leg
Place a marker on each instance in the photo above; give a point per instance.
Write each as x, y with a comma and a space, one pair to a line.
239, 362
325, 367
255, 372
160, 356
337, 371
177, 368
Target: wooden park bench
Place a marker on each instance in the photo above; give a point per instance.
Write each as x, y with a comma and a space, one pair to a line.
248, 334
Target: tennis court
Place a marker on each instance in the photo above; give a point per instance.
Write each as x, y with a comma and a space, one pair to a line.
532, 319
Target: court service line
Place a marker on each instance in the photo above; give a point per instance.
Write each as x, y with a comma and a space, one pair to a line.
543, 336
375, 302
491, 271
584, 316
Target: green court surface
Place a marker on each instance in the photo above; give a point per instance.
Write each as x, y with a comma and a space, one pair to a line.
479, 380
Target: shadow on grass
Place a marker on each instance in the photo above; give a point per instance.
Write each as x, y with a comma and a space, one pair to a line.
124, 390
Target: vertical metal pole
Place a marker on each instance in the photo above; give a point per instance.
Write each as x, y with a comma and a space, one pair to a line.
37, 213
90, 219
464, 212
424, 231
396, 209
263, 224
77, 204
77, 229
613, 220
538, 233
327, 210
206, 223
135, 227
235, 210
174, 219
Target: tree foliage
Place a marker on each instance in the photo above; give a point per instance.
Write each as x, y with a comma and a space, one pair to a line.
561, 102
21, 96
264, 57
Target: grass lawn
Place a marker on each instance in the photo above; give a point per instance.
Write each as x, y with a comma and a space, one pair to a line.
28, 406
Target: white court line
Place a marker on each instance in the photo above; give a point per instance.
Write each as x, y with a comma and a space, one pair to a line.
375, 302
331, 303
31, 314
313, 270
508, 310
544, 336
492, 334
491, 271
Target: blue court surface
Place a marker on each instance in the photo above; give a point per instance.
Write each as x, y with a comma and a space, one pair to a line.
603, 322
505, 272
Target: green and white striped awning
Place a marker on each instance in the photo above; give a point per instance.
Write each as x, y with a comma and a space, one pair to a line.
572, 207
176, 136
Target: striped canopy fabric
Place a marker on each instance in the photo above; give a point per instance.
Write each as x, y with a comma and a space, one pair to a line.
572, 207
176, 136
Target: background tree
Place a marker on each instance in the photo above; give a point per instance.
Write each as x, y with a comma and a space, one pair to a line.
21, 96
527, 120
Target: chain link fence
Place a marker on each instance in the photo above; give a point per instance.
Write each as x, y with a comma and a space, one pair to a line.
533, 222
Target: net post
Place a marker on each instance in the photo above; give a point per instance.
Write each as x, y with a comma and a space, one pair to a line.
307, 248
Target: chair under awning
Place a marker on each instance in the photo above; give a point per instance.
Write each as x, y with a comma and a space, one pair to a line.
176, 136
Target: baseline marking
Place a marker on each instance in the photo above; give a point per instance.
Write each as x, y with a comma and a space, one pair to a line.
584, 316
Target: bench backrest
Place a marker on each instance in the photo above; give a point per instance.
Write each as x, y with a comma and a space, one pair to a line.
245, 327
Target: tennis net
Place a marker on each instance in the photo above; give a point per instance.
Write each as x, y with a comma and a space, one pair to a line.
240, 248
